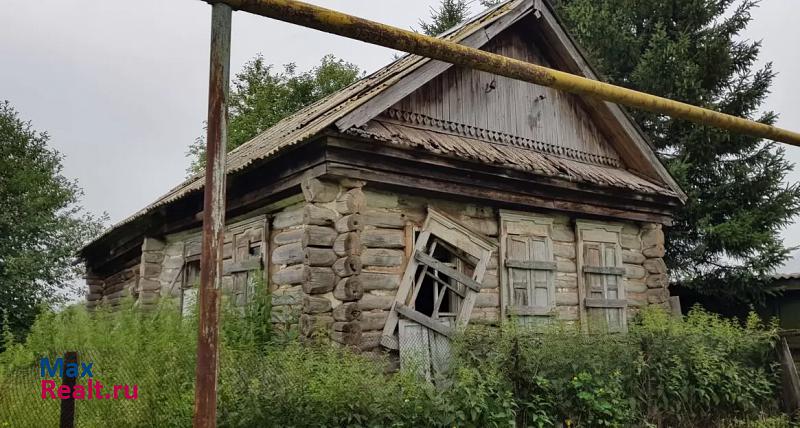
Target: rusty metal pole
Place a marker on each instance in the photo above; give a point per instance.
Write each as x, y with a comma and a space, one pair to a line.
205, 396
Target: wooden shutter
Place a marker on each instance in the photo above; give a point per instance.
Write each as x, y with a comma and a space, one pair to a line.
528, 263
439, 234
247, 239
602, 273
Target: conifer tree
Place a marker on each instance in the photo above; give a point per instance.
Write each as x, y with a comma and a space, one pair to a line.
727, 237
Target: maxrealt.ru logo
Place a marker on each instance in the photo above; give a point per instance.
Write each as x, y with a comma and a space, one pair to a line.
91, 390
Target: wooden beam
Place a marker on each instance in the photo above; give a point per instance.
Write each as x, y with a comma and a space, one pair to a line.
447, 270
531, 265
605, 303
604, 270
424, 320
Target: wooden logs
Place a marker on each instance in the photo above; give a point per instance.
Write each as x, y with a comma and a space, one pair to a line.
320, 256
317, 215
387, 220
315, 324
288, 254
288, 218
347, 244
321, 280
351, 202
382, 257
316, 305
348, 311
292, 275
379, 281
384, 238
349, 289
349, 223
347, 266
373, 320
317, 236
315, 190
346, 333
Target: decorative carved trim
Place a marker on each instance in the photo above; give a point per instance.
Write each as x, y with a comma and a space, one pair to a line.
497, 137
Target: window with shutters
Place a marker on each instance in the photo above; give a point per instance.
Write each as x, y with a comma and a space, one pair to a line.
602, 274
529, 266
243, 258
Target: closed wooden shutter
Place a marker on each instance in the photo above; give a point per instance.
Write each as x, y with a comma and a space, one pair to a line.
528, 262
602, 271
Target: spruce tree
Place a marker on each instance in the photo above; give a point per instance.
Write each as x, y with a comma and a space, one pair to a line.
727, 237
449, 14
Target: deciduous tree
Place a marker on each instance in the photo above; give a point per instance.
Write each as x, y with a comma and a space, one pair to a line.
42, 224
261, 96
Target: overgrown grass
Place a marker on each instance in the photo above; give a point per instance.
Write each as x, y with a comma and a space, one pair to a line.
702, 371
699, 371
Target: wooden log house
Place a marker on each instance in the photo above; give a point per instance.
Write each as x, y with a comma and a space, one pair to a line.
423, 198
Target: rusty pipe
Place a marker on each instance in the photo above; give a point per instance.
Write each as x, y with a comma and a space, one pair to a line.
331, 21
206, 371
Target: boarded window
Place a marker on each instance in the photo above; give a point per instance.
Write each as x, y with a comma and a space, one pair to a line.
243, 256
528, 263
600, 261
190, 285
437, 292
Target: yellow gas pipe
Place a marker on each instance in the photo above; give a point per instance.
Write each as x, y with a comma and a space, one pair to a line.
331, 21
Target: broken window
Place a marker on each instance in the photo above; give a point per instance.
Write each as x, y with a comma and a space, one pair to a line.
190, 284
438, 290
529, 266
243, 258
600, 261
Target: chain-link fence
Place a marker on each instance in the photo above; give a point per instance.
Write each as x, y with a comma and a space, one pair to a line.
31, 393
125, 394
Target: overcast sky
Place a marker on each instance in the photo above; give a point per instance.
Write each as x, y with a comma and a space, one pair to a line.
121, 85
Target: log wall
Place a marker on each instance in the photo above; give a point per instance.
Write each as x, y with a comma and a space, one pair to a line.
335, 258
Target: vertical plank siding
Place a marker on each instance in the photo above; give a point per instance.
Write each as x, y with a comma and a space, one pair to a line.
505, 105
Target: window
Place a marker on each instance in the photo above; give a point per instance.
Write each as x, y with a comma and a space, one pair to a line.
442, 279
602, 273
190, 284
529, 266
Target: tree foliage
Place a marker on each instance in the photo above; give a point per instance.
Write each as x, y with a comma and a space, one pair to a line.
261, 96
41, 223
449, 14
727, 237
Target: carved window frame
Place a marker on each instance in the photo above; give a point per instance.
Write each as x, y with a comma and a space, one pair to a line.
529, 227
438, 227
607, 279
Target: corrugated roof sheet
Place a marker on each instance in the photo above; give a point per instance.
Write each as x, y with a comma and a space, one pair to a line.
311, 120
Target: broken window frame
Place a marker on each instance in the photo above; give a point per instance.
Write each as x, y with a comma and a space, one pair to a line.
607, 237
438, 229
252, 252
539, 228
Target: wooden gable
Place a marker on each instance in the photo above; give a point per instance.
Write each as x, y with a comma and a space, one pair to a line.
554, 121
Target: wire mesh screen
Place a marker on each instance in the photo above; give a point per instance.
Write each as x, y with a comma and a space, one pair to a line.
104, 392
423, 350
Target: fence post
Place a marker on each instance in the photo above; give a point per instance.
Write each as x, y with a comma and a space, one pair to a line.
68, 405
789, 378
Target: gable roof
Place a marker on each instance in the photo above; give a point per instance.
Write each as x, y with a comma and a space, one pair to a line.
356, 104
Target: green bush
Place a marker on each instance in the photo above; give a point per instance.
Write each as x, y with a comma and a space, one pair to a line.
699, 371
702, 371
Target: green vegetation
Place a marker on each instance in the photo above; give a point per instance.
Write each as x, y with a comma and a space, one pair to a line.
702, 371
41, 224
260, 97
727, 237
